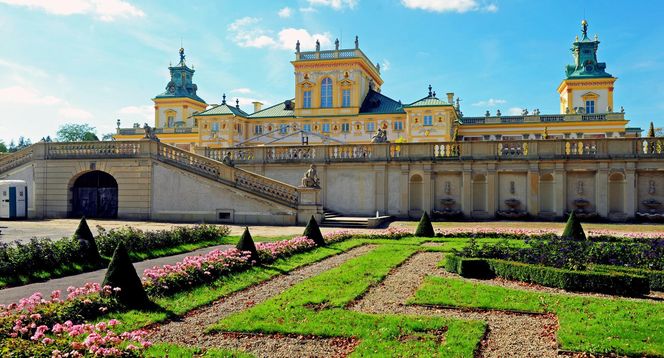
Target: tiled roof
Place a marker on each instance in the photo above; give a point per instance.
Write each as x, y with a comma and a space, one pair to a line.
278, 110
223, 109
377, 103
429, 101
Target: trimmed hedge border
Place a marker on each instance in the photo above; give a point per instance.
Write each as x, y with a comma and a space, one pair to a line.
623, 284
656, 278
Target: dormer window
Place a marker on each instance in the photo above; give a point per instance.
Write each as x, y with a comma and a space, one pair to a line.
590, 107
326, 93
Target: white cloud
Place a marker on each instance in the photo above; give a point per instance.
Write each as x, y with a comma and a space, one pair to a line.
143, 112
242, 90
308, 10
247, 32
69, 112
104, 10
26, 95
335, 4
285, 12
459, 6
23, 68
385, 66
491, 102
515, 111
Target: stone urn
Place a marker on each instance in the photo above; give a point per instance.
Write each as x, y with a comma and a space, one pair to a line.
513, 204
652, 205
448, 203
581, 204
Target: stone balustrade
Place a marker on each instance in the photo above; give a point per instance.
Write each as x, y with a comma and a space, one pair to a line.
535, 118
13, 160
606, 148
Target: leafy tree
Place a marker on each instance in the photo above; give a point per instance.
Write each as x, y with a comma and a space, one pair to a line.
246, 243
312, 231
77, 133
573, 229
122, 274
3, 147
22, 143
424, 228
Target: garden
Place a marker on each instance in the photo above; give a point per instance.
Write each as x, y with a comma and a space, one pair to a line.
391, 292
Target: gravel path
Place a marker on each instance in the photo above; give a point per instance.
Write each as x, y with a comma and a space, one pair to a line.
13, 294
509, 334
190, 330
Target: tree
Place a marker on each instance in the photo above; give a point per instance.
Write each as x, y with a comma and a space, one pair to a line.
122, 274
77, 133
3, 147
573, 229
87, 241
424, 228
651, 131
22, 143
246, 243
312, 231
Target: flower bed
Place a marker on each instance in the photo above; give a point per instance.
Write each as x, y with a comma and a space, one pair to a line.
271, 251
55, 326
523, 234
136, 240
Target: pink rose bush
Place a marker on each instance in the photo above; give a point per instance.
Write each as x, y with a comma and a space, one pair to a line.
54, 326
271, 251
522, 234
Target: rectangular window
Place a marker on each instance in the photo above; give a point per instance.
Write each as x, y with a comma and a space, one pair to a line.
428, 120
371, 127
326, 127
239, 128
306, 127
345, 99
398, 126
258, 129
306, 99
215, 127
283, 128
345, 127
590, 107
171, 121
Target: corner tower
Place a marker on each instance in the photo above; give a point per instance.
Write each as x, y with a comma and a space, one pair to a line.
333, 82
587, 87
175, 107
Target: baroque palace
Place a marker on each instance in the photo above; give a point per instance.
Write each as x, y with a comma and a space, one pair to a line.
338, 100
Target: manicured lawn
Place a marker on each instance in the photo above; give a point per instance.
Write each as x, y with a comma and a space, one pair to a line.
536, 225
183, 302
591, 324
317, 307
171, 350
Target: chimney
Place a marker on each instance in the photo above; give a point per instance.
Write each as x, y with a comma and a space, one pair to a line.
450, 97
257, 106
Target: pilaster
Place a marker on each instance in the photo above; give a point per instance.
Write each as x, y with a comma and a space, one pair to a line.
602, 189
532, 189
466, 189
560, 190
631, 190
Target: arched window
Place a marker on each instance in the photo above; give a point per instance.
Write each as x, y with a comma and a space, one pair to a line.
326, 93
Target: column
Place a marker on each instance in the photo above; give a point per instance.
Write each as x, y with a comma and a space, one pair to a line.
532, 189
405, 203
491, 190
427, 191
466, 192
380, 189
602, 189
560, 190
631, 190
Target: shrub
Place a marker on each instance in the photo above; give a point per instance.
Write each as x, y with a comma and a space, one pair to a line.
656, 278
139, 241
246, 243
573, 228
87, 242
312, 231
271, 251
122, 274
468, 267
424, 228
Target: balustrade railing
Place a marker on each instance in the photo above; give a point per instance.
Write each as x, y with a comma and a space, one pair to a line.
13, 160
345, 152
512, 149
581, 148
447, 150
651, 146
276, 154
92, 149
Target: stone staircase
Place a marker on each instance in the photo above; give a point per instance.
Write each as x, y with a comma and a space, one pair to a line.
332, 218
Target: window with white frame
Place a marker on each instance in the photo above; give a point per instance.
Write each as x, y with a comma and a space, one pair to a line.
306, 127
590, 106
428, 120
345, 98
326, 93
326, 127
345, 127
398, 125
306, 99
371, 126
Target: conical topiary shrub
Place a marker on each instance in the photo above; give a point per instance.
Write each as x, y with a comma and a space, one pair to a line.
246, 243
121, 273
87, 241
312, 231
424, 228
573, 229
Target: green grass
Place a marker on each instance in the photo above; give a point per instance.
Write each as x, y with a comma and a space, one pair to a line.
317, 307
171, 350
591, 324
183, 302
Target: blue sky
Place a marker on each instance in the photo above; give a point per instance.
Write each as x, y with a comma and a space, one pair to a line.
92, 61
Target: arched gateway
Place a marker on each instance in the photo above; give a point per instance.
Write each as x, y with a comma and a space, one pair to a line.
94, 195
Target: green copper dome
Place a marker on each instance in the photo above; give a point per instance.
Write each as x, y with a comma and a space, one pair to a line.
585, 58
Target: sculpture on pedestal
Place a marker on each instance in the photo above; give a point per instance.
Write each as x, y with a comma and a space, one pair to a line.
310, 179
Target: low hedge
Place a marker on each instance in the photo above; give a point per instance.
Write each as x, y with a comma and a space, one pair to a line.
616, 283
656, 278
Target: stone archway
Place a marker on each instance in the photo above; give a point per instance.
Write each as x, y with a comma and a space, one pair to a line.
94, 195
415, 195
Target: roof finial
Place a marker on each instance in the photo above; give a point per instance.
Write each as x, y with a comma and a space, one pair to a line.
336, 44
297, 46
584, 28
357, 42
429, 90
237, 103
434, 93
182, 55
317, 46
223, 99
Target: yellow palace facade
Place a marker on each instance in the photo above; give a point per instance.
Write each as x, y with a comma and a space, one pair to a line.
337, 99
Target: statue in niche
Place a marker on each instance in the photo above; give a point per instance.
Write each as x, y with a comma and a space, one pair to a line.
448, 188
228, 160
579, 187
651, 187
310, 179
149, 133
380, 136
512, 188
